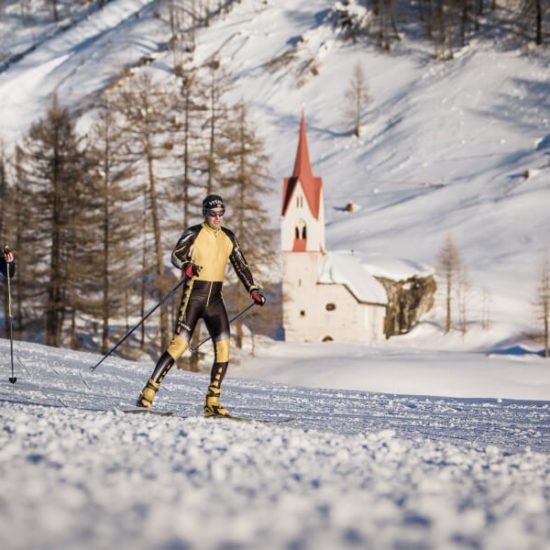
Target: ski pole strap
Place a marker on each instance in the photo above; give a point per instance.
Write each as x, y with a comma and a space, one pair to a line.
234, 318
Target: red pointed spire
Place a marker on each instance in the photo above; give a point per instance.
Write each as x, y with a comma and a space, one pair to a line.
303, 173
302, 165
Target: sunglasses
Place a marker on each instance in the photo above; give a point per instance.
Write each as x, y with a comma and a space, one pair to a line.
212, 214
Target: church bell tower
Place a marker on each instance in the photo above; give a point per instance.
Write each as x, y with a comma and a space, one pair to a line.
302, 239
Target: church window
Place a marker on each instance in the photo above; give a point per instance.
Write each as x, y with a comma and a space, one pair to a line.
300, 231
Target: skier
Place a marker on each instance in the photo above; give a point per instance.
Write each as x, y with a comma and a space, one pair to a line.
202, 253
7, 261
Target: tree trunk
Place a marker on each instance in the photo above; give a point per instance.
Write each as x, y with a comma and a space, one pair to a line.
164, 325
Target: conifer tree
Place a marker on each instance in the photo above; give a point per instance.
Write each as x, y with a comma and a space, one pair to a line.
118, 220
146, 110
216, 127
3, 195
191, 105
357, 98
4, 212
543, 303
448, 264
245, 183
51, 165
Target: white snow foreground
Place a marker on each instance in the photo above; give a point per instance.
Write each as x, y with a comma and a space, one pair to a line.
103, 480
354, 470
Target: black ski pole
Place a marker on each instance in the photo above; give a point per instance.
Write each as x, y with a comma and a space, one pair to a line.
234, 318
12, 378
121, 341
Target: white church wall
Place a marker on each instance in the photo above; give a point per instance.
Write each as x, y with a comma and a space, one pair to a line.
315, 312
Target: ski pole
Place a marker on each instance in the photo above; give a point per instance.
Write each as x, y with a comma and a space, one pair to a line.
12, 378
121, 341
234, 318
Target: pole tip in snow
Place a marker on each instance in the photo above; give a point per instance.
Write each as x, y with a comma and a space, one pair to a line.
13, 379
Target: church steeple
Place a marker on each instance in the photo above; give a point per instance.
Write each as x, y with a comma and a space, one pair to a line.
302, 206
302, 165
303, 174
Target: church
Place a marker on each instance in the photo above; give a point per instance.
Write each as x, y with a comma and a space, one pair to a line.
326, 295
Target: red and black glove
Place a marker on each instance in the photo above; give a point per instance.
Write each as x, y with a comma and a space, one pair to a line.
191, 270
259, 297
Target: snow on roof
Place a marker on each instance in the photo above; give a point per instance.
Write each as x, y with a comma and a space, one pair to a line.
396, 269
345, 269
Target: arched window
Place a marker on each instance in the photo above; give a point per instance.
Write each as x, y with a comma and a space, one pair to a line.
300, 236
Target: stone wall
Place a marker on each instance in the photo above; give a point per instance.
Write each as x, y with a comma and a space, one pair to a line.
408, 300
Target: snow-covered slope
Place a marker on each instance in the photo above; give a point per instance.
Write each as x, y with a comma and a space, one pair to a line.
444, 148
354, 470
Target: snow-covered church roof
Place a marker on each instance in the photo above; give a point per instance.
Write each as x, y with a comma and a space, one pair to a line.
346, 269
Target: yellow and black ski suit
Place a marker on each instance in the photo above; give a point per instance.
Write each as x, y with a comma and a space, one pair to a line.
210, 249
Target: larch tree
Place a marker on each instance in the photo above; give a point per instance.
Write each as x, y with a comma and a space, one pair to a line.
543, 303
190, 106
51, 165
532, 16
448, 265
215, 127
5, 202
246, 184
118, 219
146, 110
357, 98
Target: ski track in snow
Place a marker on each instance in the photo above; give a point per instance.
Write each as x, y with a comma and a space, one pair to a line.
355, 469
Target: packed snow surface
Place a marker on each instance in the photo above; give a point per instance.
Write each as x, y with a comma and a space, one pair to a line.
354, 469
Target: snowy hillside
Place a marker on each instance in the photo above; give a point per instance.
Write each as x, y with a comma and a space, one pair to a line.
444, 150
353, 470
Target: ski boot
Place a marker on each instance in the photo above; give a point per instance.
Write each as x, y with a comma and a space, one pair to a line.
147, 394
212, 406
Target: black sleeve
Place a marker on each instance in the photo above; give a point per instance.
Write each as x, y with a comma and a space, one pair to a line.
4, 266
239, 264
182, 250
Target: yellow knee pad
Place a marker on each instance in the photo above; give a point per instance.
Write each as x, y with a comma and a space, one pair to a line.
222, 351
177, 347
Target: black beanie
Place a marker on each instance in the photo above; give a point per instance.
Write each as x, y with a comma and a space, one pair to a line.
210, 202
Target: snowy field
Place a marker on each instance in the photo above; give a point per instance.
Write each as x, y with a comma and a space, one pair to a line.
423, 442
355, 469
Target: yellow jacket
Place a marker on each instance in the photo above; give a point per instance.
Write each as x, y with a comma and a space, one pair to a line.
211, 249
